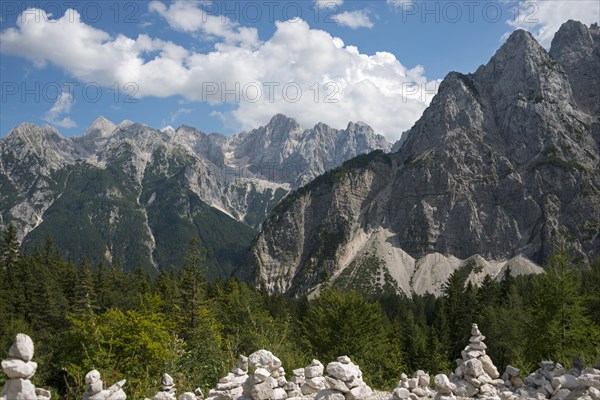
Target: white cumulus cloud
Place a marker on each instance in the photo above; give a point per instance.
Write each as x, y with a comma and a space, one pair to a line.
63, 105
353, 19
189, 16
302, 72
543, 18
399, 3
329, 3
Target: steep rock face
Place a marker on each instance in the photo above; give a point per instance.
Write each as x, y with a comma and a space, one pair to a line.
501, 163
135, 194
299, 246
577, 48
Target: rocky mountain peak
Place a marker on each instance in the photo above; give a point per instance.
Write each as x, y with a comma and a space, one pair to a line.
577, 48
518, 62
359, 126
32, 131
574, 34
126, 123
35, 139
101, 127
282, 123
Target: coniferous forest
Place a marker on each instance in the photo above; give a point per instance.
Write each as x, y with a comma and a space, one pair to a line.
129, 325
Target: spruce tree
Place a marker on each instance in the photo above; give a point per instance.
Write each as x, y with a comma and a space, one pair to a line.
346, 323
506, 285
557, 327
591, 290
10, 250
85, 295
437, 357
414, 341
192, 286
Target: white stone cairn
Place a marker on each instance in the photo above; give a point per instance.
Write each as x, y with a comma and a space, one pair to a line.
414, 388
343, 381
167, 389
476, 376
553, 381
261, 376
95, 388
230, 387
19, 368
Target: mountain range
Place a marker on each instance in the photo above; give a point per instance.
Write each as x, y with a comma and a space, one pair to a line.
501, 166
130, 194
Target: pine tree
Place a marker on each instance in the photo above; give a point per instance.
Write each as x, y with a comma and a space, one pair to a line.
192, 286
85, 295
102, 287
442, 328
10, 250
557, 327
591, 289
44, 298
141, 280
414, 341
437, 357
459, 304
346, 323
487, 293
506, 285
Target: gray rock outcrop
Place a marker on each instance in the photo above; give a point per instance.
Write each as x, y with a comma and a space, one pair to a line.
577, 48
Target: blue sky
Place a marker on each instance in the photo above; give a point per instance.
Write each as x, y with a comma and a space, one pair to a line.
229, 66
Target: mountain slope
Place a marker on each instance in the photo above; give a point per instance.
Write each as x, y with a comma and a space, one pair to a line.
130, 194
502, 162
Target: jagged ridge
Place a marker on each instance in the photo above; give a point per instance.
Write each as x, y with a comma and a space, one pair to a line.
137, 195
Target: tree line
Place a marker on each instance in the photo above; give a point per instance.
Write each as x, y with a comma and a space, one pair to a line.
129, 326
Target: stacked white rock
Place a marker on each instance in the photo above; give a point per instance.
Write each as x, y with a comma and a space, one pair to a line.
414, 388
512, 384
314, 381
230, 387
197, 395
293, 386
538, 385
19, 368
344, 382
553, 381
95, 388
476, 375
268, 379
444, 388
589, 383
167, 389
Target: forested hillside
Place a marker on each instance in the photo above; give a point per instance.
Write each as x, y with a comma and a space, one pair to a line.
128, 326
